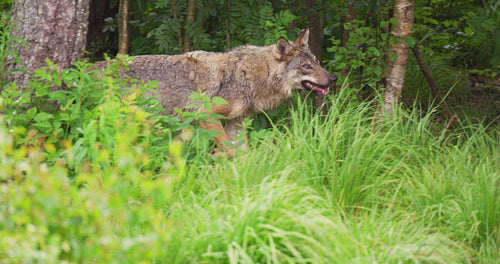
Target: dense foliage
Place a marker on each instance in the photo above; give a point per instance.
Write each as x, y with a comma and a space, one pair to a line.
90, 172
109, 184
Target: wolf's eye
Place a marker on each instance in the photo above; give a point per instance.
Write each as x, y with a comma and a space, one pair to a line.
307, 67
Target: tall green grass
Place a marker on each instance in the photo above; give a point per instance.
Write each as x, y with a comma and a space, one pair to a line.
337, 188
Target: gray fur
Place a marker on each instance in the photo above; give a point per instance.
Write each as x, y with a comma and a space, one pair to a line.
250, 78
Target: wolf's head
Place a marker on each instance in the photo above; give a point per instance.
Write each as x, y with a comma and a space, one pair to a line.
303, 70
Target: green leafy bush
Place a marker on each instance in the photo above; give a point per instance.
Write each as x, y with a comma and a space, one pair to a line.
91, 116
362, 55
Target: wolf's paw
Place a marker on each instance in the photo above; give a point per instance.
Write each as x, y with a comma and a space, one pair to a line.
228, 153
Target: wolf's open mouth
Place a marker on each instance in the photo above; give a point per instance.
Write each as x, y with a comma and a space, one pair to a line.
319, 90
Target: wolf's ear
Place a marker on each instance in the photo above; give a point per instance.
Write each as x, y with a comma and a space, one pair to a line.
283, 49
303, 39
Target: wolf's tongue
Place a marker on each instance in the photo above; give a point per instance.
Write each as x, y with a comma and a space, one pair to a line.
320, 90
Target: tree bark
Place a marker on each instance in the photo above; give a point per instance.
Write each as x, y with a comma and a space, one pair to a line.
315, 22
426, 72
123, 29
403, 13
189, 21
55, 29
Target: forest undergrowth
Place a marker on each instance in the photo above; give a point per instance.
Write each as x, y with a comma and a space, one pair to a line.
94, 175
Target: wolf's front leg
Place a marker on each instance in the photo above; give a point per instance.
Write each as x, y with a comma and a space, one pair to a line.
234, 128
223, 141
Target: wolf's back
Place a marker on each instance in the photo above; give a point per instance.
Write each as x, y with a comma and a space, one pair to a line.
249, 77
178, 76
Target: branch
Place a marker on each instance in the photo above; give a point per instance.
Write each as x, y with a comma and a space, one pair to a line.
430, 79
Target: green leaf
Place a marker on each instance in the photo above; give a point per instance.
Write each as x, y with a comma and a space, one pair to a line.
208, 106
469, 31
31, 112
43, 126
432, 21
213, 133
43, 117
394, 21
374, 51
393, 40
59, 95
219, 100
335, 41
216, 116
341, 66
410, 42
332, 49
153, 84
393, 56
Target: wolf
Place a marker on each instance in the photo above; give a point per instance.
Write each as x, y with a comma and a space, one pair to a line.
249, 78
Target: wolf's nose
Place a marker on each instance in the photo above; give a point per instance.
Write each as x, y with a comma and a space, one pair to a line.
332, 78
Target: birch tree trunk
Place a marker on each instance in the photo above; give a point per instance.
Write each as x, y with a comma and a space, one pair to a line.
123, 29
55, 29
403, 13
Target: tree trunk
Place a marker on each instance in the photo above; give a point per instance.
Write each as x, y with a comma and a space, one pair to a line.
315, 22
427, 73
403, 13
123, 29
55, 29
189, 23
430, 79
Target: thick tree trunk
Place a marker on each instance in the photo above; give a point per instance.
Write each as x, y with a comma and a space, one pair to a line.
55, 29
123, 29
403, 13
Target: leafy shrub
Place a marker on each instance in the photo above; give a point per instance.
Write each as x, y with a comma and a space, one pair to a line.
91, 117
49, 214
481, 47
362, 55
